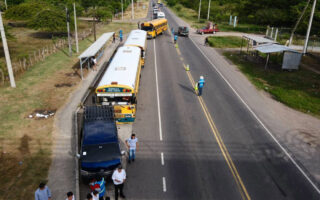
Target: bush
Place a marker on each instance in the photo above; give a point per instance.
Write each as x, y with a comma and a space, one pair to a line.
178, 7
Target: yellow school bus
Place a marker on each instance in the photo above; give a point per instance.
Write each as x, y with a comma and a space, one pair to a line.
155, 27
138, 38
119, 85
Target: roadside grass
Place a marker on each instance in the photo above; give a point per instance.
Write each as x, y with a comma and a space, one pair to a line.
226, 42
26, 144
297, 89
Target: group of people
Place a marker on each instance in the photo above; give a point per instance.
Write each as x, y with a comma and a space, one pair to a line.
44, 193
98, 187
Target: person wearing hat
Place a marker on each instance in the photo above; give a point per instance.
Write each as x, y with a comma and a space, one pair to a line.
119, 177
200, 85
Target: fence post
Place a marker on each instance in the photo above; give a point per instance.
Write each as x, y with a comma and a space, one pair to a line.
2, 76
24, 64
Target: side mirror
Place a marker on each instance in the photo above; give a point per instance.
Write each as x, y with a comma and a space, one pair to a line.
78, 156
123, 153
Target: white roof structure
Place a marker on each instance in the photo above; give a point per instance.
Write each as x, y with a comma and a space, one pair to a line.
96, 46
137, 38
259, 40
123, 67
273, 48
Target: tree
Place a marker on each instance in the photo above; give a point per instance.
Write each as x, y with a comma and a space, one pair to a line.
50, 20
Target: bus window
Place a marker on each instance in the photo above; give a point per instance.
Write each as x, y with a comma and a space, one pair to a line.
146, 28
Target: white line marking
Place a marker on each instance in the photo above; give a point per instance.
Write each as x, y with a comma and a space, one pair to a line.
257, 118
162, 159
158, 101
164, 184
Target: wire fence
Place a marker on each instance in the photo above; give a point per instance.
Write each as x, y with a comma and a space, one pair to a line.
25, 63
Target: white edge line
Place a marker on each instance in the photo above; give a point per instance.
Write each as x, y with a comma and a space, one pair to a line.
162, 159
164, 184
257, 118
158, 101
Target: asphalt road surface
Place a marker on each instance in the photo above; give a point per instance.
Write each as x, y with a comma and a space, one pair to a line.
202, 148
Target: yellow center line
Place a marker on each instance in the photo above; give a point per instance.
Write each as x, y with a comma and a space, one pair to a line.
242, 189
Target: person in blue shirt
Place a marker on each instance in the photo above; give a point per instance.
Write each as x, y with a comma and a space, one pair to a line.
200, 85
43, 192
172, 31
120, 35
175, 38
102, 189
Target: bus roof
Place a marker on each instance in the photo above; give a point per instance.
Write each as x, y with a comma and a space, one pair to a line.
156, 22
137, 38
123, 67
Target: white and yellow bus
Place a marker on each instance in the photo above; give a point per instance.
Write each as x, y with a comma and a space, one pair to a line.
120, 83
138, 38
155, 27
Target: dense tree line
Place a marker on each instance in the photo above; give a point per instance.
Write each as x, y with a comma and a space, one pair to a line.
50, 15
280, 13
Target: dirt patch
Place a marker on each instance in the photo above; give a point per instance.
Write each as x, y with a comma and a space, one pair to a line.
59, 85
72, 74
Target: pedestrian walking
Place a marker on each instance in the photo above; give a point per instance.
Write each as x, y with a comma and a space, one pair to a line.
132, 144
43, 192
70, 196
175, 38
120, 35
200, 85
113, 38
172, 31
119, 177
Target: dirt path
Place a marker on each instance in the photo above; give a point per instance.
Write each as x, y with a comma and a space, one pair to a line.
299, 133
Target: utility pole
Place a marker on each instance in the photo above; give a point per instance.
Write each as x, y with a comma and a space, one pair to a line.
309, 28
5, 3
94, 25
132, 10
199, 10
68, 27
6, 53
209, 10
75, 27
122, 10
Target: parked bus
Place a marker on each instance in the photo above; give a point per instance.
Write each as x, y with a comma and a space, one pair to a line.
155, 27
120, 83
138, 38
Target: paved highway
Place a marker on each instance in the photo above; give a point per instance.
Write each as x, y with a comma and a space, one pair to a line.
202, 148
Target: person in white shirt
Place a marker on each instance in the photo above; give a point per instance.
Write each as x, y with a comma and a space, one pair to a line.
132, 144
70, 196
119, 177
95, 195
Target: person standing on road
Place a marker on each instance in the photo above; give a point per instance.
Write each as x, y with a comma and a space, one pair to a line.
200, 85
132, 144
114, 38
119, 177
120, 35
70, 196
175, 38
43, 192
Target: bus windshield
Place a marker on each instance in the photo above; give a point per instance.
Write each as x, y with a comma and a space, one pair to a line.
146, 28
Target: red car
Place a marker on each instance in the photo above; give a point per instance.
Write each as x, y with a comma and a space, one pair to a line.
209, 29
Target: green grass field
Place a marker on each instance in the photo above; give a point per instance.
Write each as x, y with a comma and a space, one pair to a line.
297, 89
226, 42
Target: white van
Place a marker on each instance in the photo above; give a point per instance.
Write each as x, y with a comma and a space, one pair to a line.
161, 15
